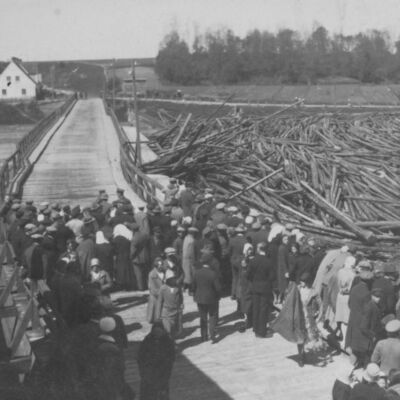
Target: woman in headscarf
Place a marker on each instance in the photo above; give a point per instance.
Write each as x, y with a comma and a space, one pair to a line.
124, 276
170, 304
156, 279
104, 251
156, 357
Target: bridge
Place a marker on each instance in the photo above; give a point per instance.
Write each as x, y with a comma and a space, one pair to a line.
84, 151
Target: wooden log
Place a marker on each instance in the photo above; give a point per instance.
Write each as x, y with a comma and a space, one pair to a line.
364, 235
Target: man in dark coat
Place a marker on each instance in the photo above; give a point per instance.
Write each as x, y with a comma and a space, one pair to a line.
187, 200
261, 274
385, 284
235, 248
360, 295
207, 290
140, 256
156, 358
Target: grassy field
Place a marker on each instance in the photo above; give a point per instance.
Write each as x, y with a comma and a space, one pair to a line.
340, 94
10, 135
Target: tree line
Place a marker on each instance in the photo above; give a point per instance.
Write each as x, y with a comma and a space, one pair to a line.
221, 57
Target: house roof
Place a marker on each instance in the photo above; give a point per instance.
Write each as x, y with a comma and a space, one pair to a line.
18, 63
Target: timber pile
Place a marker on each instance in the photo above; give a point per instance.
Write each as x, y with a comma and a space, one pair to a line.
336, 175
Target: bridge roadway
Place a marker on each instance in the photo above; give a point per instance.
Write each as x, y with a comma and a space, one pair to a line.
82, 156
78, 159
238, 367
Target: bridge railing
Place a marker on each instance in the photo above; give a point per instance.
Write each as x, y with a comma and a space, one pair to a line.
142, 184
18, 161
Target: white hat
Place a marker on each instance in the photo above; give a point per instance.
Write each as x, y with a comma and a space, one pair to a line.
94, 262
393, 326
233, 209
107, 324
220, 206
187, 220
371, 373
254, 213
208, 196
40, 218
249, 220
174, 222
169, 250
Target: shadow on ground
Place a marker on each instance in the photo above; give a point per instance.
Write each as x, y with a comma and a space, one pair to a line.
187, 382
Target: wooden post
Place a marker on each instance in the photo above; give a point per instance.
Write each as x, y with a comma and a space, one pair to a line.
138, 146
113, 86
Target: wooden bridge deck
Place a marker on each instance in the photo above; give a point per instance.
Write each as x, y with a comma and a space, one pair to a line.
81, 158
238, 367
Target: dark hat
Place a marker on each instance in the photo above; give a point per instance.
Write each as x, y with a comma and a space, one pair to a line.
135, 227
47, 211
390, 268
119, 190
305, 276
67, 208
95, 206
19, 213
104, 196
192, 229
157, 209
141, 207
88, 220
75, 211
101, 191
29, 202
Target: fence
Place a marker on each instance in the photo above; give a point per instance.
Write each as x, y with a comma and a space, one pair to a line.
18, 162
142, 184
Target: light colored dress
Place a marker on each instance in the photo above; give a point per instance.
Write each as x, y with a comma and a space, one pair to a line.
345, 280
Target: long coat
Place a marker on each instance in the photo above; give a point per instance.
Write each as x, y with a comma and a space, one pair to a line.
188, 258
345, 279
169, 303
85, 252
360, 295
123, 269
154, 283
283, 267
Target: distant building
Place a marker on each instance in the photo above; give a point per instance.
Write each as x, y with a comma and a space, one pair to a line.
16, 83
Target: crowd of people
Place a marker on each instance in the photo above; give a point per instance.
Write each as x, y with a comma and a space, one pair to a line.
280, 280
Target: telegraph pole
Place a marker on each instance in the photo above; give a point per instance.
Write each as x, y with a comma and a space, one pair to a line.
138, 147
113, 86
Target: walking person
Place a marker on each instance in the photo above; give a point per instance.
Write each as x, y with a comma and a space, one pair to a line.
260, 274
207, 291
170, 304
156, 280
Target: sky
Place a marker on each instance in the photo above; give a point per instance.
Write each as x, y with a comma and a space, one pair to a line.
92, 29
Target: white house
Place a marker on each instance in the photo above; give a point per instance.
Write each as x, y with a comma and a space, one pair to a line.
16, 83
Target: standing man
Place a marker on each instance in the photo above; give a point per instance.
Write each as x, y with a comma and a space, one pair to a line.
139, 253
360, 296
387, 351
260, 274
187, 199
121, 197
236, 246
207, 292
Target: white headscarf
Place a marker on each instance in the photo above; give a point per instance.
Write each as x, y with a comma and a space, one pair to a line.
276, 229
122, 230
100, 238
349, 262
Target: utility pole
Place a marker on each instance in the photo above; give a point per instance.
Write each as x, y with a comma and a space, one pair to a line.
113, 86
138, 147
